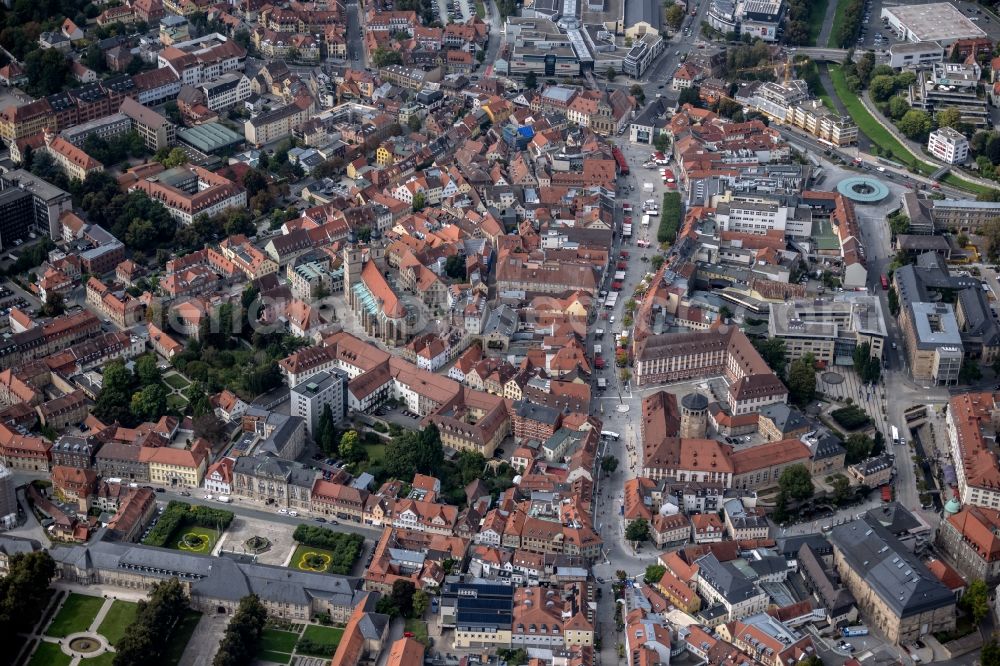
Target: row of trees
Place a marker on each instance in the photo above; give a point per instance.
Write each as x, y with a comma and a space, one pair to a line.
798, 31
147, 639
846, 32
239, 644
670, 218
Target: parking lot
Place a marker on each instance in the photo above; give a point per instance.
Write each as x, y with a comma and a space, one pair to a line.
875, 28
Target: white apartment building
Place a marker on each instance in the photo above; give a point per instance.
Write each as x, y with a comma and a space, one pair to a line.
310, 397
759, 218
226, 91
948, 145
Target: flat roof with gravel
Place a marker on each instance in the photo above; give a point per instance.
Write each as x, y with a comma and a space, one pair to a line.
934, 22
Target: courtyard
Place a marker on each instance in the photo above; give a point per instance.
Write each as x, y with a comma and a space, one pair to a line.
282, 641
279, 543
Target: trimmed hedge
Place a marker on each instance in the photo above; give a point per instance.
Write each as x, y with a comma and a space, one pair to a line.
670, 218
344, 547
181, 514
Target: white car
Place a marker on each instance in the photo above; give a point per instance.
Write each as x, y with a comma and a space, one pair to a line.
208, 497
293, 513
282, 510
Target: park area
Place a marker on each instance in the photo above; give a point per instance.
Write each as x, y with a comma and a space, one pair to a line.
321, 550
281, 642
95, 645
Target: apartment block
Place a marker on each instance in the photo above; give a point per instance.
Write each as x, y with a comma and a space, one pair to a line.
311, 396
156, 131
948, 145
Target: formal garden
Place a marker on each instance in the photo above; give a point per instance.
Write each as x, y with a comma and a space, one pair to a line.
191, 528
321, 550
283, 640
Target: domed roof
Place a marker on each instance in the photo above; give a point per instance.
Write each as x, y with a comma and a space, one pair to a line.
694, 401
952, 506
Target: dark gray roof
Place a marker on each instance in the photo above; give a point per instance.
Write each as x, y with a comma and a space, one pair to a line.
894, 517
902, 582
726, 578
643, 10
12, 545
835, 597
535, 412
268, 466
784, 417
214, 577
789, 546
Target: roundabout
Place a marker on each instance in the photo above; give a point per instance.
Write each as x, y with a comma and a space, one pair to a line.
863, 189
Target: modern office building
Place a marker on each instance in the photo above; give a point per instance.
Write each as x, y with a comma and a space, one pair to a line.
16, 216
829, 329
948, 145
309, 397
939, 22
915, 55
951, 85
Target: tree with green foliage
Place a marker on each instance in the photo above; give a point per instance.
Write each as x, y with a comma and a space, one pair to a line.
915, 124
654, 572
383, 57
611, 74
772, 350
689, 96
609, 464
55, 305
47, 71
326, 432
350, 447
419, 202
990, 654
147, 371
149, 403
882, 87
147, 638
802, 379
637, 530
948, 117
661, 142
402, 597
421, 602
531, 81
198, 402
454, 267
976, 600
114, 400
796, 483
414, 451
859, 447
24, 591
675, 16
970, 372
242, 636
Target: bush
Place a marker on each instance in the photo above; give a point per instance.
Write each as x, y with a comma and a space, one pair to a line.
315, 648
670, 218
851, 417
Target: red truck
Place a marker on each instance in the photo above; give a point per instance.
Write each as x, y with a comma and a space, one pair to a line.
623, 265
616, 285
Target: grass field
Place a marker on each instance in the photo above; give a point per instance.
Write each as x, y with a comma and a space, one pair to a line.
817, 12
376, 452
321, 634
181, 636
959, 182
480, 9
418, 628
176, 402
275, 640
300, 559
276, 657
207, 536
49, 654
175, 381
75, 615
119, 616
867, 123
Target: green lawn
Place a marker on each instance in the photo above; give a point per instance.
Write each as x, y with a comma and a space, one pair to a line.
817, 12
49, 654
276, 657
480, 9
961, 183
321, 634
179, 639
418, 628
176, 402
175, 381
208, 539
76, 614
119, 616
376, 452
325, 639
301, 555
867, 123
275, 640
